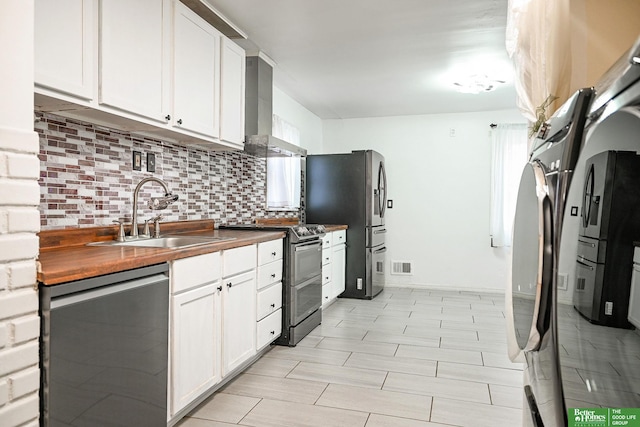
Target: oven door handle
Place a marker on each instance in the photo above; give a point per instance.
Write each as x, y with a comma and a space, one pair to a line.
308, 246
582, 242
585, 265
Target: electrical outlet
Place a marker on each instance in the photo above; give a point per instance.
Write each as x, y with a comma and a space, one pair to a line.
390, 204
574, 211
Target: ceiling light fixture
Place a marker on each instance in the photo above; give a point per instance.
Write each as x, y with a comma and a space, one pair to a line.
477, 83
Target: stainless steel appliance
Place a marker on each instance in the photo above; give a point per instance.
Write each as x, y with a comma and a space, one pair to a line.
301, 278
531, 325
610, 224
104, 346
351, 189
572, 363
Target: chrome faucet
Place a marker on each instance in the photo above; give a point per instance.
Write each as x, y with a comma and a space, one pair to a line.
166, 201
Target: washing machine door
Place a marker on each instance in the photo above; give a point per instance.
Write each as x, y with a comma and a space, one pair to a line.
532, 263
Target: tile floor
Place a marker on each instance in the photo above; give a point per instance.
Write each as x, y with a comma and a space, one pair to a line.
408, 358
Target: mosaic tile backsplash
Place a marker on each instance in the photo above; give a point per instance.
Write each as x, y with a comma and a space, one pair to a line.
87, 178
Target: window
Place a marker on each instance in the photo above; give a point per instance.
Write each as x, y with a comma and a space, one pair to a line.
508, 158
284, 173
283, 183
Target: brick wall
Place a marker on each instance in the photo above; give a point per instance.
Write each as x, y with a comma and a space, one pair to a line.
87, 177
19, 221
19, 320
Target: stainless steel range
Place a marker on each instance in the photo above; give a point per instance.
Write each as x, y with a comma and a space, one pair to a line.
302, 278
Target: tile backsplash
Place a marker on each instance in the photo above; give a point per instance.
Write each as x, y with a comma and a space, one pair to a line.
87, 178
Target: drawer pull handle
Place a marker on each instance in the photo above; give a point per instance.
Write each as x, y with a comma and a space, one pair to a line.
219, 288
273, 275
273, 332
273, 254
273, 306
229, 285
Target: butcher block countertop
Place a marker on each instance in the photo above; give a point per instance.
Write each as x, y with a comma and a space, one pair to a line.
65, 256
335, 227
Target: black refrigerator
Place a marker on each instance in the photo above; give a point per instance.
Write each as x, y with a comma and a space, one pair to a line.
351, 189
609, 226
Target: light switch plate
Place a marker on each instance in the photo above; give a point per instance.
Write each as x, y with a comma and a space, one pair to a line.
151, 162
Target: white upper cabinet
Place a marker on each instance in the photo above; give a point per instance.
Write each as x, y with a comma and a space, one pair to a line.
196, 78
65, 46
232, 92
149, 66
134, 47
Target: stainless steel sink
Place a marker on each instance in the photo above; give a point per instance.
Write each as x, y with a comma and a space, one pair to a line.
170, 242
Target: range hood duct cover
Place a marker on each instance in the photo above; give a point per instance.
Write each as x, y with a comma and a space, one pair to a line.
259, 139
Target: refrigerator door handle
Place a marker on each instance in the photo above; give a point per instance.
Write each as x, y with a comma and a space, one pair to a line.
584, 265
384, 230
379, 251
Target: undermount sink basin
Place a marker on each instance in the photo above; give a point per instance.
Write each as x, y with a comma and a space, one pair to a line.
171, 242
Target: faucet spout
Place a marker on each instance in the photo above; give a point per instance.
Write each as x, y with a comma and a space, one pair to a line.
134, 216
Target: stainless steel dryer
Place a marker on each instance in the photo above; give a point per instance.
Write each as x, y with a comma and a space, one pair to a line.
571, 363
536, 238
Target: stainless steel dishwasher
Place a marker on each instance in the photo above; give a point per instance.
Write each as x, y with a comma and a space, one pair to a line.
104, 350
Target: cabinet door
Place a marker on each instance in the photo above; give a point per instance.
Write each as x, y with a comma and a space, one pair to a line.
195, 344
64, 34
239, 320
338, 273
196, 80
134, 56
232, 92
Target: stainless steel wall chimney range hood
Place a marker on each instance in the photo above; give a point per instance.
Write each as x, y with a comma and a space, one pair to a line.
259, 140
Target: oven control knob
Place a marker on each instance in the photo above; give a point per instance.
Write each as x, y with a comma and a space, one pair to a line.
320, 229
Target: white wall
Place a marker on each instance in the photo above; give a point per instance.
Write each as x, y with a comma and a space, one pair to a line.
440, 186
309, 125
19, 220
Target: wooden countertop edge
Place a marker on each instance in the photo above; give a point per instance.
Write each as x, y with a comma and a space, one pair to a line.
335, 227
80, 261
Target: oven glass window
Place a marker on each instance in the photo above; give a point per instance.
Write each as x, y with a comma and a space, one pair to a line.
306, 298
307, 261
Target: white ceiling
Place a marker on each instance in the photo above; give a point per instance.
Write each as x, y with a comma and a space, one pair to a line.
373, 58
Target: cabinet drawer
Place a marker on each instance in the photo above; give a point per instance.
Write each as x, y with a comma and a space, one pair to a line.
326, 273
339, 236
326, 255
269, 251
190, 272
269, 300
269, 329
326, 294
326, 240
237, 260
269, 273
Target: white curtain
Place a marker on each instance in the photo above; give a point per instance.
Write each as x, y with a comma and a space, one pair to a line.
508, 158
283, 183
283, 173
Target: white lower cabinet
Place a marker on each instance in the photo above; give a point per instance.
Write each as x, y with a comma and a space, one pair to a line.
269, 296
338, 264
196, 344
239, 319
195, 333
269, 328
220, 317
333, 265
